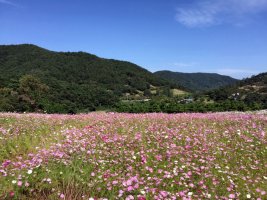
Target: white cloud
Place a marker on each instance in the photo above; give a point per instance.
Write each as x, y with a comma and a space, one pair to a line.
211, 12
8, 3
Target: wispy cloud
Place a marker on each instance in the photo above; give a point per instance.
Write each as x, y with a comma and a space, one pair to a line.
8, 3
205, 13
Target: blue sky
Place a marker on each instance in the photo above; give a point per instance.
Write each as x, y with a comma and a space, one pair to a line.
222, 36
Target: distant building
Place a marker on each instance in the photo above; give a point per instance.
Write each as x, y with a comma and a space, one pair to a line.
187, 100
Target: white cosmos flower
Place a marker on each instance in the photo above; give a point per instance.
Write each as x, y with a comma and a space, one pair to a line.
190, 193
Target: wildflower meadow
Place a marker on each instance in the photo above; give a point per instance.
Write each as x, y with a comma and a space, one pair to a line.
133, 156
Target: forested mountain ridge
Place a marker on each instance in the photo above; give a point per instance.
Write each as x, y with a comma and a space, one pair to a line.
196, 81
78, 67
250, 90
76, 81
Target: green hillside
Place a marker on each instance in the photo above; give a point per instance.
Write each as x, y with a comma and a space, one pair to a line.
250, 90
196, 81
246, 95
66, 81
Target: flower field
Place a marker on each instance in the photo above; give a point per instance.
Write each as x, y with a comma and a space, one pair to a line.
133, 156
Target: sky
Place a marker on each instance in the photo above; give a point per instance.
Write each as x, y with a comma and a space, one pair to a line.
228, 37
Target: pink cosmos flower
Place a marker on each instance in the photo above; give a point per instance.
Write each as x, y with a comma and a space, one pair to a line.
3, 172
201, 182
231, 196
114, 182
191, 185
130, 188
262, 133
129, 182
187, 146
141, 198
6, 163
138, 136
158, 157
120, 193
136, 186
258, 190
105, 138
130, 197
163, 193
181, 194
143, 158
19, 183
11, 194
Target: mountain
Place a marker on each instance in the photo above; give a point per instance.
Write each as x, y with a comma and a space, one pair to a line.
196, 81
251, 90
76, 68
73, 80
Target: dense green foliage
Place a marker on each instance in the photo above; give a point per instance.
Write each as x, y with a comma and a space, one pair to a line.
196, 81
67, 82
174, 106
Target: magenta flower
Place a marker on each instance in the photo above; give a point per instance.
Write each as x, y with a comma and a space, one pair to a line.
130, 188
141, 198
19, 183
231, 196
163, 193
158, 157
6, 163
181, 194
11, 194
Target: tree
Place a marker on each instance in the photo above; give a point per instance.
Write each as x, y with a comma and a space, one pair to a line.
31, 91
8, 99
